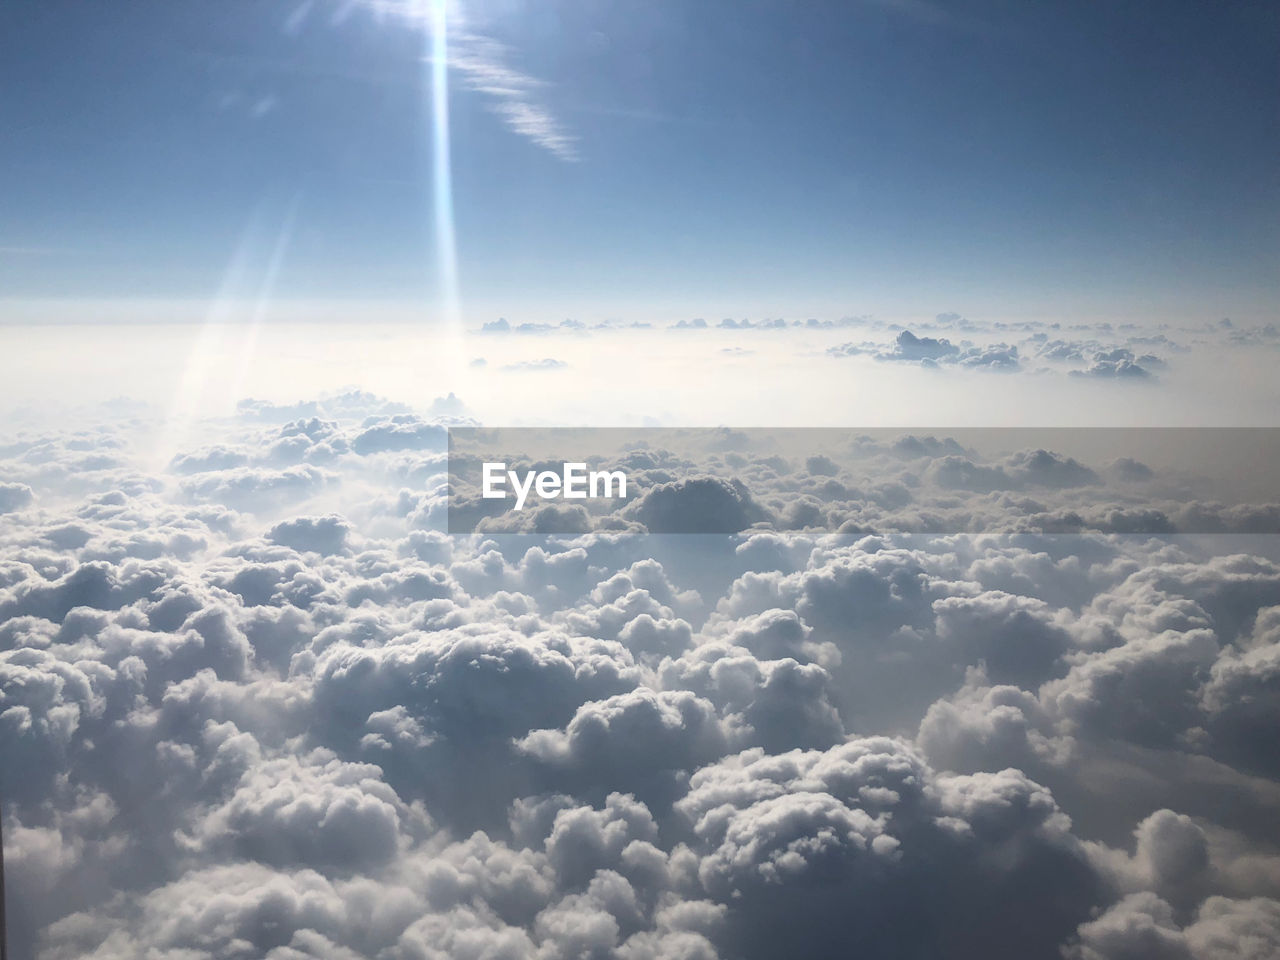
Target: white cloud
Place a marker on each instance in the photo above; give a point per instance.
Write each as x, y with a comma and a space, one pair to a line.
485, 65
255, 722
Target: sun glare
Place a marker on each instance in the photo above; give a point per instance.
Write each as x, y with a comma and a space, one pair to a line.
442, 171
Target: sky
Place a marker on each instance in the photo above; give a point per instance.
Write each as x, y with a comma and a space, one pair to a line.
909, 686
634, 160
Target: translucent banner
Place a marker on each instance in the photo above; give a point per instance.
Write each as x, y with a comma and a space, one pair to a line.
856, 481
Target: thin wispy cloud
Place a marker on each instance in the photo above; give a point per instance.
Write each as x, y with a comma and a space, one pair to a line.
483, 63
485, 66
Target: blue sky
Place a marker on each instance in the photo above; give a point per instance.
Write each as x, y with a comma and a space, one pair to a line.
616, 158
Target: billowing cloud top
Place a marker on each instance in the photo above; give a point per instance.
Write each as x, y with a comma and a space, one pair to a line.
256, 704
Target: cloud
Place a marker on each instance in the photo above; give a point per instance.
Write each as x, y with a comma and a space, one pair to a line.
1124, 369
14, 496
320, 534
1143, 925
936, 351
911, 347
250, 487
450, 406
313, 810
526, 366
642, 741
516, 97
484, 64
697, 505
252, 728
862, 826
502, 326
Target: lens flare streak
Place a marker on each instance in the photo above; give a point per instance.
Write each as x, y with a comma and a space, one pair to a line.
442, 172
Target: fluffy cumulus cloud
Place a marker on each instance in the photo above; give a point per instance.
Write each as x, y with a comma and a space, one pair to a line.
1130, 362
1124, 351
935, 351
257, 704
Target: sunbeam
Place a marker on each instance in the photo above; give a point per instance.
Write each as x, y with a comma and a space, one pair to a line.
442, 171
249, 345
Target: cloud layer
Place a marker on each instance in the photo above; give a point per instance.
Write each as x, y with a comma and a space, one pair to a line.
262, 707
